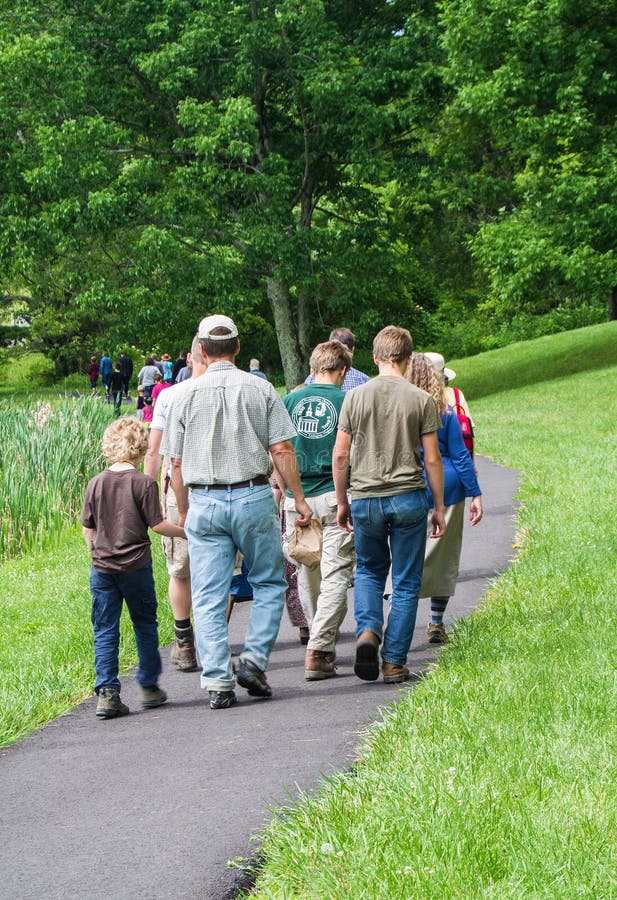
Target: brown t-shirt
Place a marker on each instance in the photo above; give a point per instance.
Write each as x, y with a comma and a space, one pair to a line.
386, 419
120, 506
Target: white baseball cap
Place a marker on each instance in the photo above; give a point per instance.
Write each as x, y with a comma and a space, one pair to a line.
440, 364
207, 326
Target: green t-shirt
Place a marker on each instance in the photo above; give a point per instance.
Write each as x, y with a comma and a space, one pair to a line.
386, 419
314, 411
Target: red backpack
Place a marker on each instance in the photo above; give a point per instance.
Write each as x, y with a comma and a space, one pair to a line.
464, 421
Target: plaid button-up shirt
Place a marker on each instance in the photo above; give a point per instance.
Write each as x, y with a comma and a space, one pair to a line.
353, 379
222, 426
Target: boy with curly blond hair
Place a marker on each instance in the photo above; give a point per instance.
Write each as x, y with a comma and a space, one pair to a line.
120, 505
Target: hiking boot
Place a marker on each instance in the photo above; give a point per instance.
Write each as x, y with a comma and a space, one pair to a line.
182, 654
317, 666
436, 633
222, 699
110, 705
367, 656
394, 674
152, 697
304, 633
253, 679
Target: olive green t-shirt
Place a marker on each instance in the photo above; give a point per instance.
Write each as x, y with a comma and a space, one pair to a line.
386, 419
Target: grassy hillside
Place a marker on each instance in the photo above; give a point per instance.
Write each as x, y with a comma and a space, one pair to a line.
497, 775
532, 362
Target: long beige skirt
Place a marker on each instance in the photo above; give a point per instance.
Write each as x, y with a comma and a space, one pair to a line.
442, 556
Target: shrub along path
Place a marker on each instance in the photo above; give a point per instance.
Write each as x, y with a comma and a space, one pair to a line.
155, 804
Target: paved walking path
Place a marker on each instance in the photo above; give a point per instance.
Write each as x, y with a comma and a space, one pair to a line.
152, 806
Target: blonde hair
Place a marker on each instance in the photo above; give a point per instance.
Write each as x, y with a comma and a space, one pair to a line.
424, 375
125, 440
392, 344
329, 357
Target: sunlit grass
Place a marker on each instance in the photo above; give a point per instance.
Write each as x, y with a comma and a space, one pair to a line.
532, 362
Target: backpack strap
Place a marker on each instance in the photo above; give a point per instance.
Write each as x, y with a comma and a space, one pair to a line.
458, 408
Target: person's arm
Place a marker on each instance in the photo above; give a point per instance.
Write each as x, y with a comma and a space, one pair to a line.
152, 462
180, 490
286, 464
89, 535
434, 475
168, 530
340, 473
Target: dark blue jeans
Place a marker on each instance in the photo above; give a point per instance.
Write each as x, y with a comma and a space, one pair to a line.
137, 590
389, 528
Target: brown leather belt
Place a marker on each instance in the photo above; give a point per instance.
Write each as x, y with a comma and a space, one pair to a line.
259, 479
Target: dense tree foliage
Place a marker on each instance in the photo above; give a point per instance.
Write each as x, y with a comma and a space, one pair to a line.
304, 165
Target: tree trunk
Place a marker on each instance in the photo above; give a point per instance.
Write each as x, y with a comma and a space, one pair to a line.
305, 304
286, 332
612, 305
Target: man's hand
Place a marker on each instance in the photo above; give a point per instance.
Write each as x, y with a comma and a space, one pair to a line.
438, 523
343, 516
304, 511
475, 510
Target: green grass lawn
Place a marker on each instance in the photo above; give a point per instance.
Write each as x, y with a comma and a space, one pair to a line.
497, 775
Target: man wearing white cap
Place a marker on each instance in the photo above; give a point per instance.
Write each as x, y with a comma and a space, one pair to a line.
220, 436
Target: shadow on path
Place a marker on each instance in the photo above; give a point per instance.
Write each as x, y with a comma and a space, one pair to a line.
153, 805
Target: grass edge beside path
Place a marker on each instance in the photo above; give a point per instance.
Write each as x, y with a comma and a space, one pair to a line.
496, 776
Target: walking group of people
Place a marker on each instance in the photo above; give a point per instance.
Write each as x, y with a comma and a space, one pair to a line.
115, 377
369, 460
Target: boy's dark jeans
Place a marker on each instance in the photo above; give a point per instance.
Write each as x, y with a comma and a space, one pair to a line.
108, 591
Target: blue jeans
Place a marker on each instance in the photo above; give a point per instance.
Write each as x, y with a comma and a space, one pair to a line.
383, 526
218, 522
137, 589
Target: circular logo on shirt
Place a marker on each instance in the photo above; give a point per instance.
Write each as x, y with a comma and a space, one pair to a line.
314, 417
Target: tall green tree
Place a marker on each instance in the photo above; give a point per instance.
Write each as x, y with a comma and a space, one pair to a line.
165, 159
530, 147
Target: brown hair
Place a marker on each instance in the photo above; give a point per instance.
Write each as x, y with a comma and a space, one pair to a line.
344, 336
329, 357
219, 349
392, 344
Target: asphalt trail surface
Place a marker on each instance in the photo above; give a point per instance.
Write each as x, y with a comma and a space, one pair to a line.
154, 805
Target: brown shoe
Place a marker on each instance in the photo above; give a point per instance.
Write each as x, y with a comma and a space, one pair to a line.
367, 656
394, 674
182, 654
317, 666
436, 633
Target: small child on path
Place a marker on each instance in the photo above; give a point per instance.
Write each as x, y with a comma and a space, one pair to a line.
119, 506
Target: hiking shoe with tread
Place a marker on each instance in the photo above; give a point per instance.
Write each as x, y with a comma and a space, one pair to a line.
251, 677
393, 673
222, 699
109, 705
436, 633
153, 696
318, 665
367, 657
182, 654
